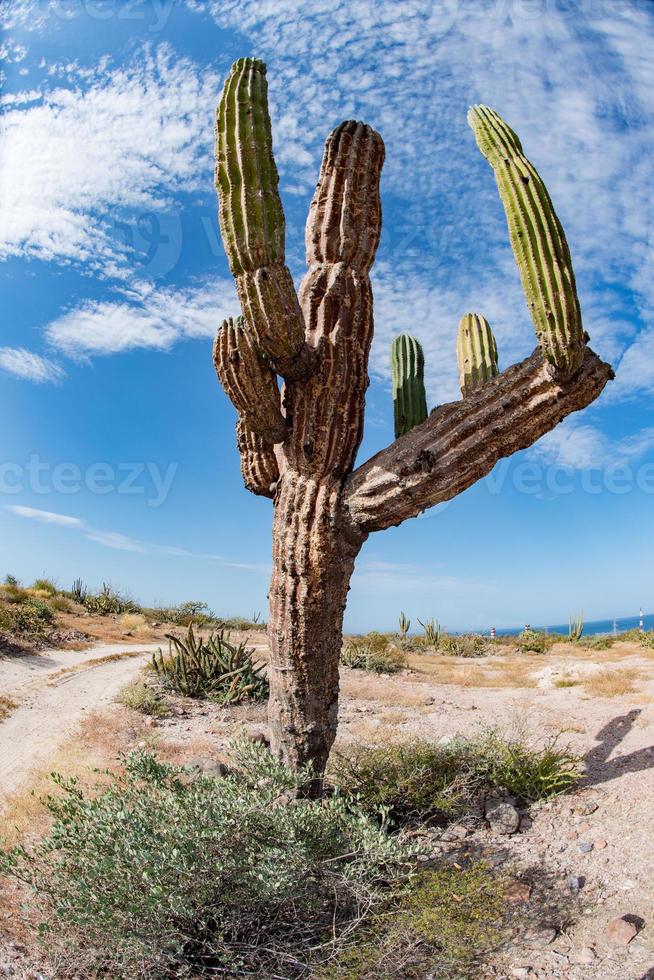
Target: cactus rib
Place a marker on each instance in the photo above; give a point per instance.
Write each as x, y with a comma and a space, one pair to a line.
537, 239
259, 467
251, 215
407, 369
476, 352
248, 380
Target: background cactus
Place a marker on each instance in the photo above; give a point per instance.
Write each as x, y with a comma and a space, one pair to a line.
302, 454
476, 352
404, 624
537, 239
213, 668
408, 374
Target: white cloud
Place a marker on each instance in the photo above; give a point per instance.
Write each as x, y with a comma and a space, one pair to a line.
583, 446
122, 542
29, 366
45, 516
380, 576
154, 318
123, 138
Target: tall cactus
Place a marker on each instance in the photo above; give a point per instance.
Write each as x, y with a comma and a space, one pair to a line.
537, 239
408, 374
476, 352
300, 450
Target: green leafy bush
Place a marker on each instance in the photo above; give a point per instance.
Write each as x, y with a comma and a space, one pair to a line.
373, 652
213, 668
421, 781
45, 585
29, 620
141, 697
441, 923
164, 874
600, 642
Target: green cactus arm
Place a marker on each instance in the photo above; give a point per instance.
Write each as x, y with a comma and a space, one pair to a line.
476, 352
248, 381
537, 239
252, 218
407, 370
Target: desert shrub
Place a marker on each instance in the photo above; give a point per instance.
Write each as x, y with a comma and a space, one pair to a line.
11, 581
535, 641
61, 603
212, 668
29, 620
440, 923
108, 602
239, 623
421, 781
599, 642
14, 594
45, 585
163, 875
466, 645
373, 652
133, 621
141, 697
7, 705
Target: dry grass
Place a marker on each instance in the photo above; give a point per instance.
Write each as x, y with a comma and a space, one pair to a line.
135, 623
490, 672
7, 705
611, 683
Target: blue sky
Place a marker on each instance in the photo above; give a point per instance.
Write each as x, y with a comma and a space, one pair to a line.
118, 459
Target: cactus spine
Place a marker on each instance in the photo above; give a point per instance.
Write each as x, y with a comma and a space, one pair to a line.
537, 239
408, 370
476, 352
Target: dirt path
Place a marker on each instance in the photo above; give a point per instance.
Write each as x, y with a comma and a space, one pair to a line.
54, 689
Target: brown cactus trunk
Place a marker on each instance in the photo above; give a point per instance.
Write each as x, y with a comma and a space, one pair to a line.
313, 558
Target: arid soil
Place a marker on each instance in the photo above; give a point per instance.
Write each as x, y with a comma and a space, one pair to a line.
578, 862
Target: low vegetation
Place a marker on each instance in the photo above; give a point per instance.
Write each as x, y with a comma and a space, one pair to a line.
612, 682
421, 781
142, 697
535, 641
7, 705
373, 652
212, 668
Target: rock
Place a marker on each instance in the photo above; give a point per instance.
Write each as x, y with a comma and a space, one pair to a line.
600, 845
454, 833
520, 971
586, 808
517, 892
260, 738
585, 846
576, 883
540, 936
586, 956
502, 816
620, 931
526, 824
150, 722
208, 766
583, 827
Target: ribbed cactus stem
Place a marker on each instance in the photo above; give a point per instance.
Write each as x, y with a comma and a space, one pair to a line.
259, 467
476, 352
408, 369
252, 217
537, 239
248, 380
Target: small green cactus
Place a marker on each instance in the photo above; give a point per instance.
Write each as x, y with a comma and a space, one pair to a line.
432, 630
575, 627
537, 239
408, 370
404, 624
476, 352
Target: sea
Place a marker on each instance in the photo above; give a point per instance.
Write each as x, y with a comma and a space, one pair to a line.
594, 628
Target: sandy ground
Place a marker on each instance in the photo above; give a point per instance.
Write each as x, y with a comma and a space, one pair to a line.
581, 860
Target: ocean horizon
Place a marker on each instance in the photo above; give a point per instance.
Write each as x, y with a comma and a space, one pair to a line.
593, 628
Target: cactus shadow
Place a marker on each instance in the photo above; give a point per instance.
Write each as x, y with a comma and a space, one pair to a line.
600, 768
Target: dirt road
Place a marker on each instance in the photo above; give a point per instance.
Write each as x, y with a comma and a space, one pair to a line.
53, 690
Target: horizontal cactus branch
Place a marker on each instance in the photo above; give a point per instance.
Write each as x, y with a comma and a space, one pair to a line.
248, 381
252, 218
408, 374
476, 352
344, 222
259, 467
537, 239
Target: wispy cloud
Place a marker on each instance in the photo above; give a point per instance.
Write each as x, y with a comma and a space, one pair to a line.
126, 137
29, 366
123, 542
381, 576
152, 317
583, 446
45, 516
